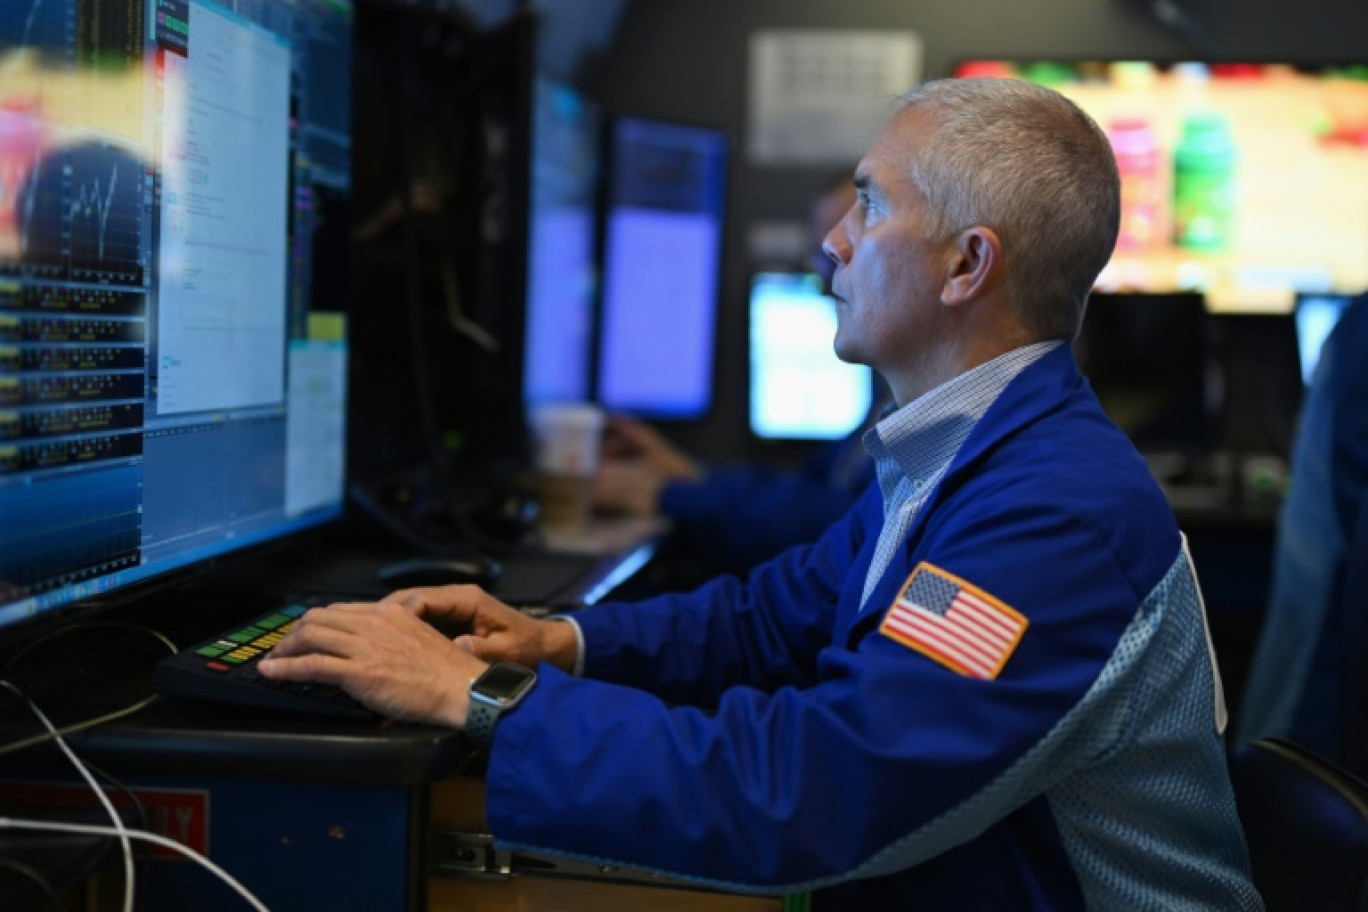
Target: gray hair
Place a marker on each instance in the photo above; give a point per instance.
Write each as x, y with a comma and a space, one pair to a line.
1025, 161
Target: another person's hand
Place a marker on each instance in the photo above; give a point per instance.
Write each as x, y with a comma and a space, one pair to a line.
629, 440
634, 464
627, 487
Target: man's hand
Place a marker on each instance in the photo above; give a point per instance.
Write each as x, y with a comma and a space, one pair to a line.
385, 656
389, 655
493, 631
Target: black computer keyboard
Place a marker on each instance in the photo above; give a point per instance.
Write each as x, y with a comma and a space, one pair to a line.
224, 669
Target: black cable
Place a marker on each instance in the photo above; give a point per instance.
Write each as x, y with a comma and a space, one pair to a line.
16, 746
59, 632
81, 627
32, 873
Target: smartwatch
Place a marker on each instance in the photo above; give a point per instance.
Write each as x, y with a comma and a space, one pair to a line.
498, 689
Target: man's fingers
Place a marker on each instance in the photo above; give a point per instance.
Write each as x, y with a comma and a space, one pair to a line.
457, 603
344, 607
313, 666
321, 634
473, 645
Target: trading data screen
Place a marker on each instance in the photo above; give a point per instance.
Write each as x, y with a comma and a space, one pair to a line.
173, 180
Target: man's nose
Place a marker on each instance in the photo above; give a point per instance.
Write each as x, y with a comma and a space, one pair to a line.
836, 246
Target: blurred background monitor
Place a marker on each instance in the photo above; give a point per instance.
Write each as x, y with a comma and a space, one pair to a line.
1245, 181
561, 280
799, 389
1316, 316
1146, 357
661, 262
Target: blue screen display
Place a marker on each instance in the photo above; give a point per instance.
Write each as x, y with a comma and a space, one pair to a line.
663, 243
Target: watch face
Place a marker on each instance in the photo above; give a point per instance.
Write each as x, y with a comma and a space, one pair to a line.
503, 681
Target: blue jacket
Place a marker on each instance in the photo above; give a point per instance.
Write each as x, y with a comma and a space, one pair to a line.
767, 737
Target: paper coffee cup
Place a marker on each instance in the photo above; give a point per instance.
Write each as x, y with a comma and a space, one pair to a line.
567, 452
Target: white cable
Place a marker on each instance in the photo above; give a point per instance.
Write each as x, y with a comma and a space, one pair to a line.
99, 793
25, 824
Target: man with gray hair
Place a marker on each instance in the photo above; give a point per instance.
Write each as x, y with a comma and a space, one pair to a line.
988, 686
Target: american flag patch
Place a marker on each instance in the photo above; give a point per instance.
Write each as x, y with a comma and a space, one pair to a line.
955, 623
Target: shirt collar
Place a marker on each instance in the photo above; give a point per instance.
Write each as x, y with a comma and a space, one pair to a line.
918, 440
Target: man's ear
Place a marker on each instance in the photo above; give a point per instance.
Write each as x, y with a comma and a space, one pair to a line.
975, 266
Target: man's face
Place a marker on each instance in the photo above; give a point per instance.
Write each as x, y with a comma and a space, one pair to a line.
888, 276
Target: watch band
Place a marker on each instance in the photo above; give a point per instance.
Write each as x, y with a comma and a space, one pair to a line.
480, 720
499, 688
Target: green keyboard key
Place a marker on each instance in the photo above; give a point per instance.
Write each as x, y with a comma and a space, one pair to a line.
246, 634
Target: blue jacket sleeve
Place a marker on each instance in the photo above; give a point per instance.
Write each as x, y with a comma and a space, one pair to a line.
765, 632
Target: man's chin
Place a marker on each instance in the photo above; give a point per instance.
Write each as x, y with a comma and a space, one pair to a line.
845, 350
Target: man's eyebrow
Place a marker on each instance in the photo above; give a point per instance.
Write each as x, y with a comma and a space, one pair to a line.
866, 186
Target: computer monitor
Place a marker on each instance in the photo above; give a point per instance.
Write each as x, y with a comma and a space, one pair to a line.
1245, 181
172, 329
663, 245
1316, 316
799, 389
562, 268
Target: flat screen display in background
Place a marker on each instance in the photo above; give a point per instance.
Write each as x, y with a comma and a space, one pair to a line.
561, 256
1247, 182
799, 389
663, 244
